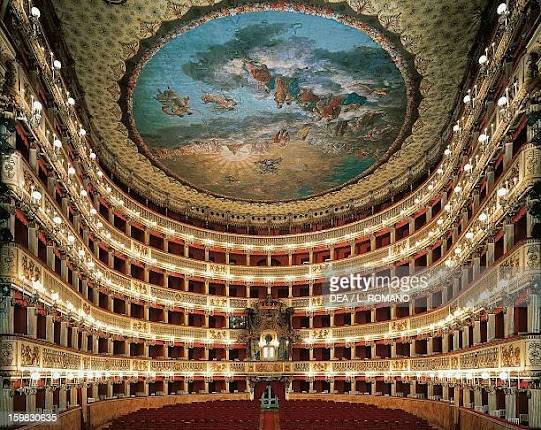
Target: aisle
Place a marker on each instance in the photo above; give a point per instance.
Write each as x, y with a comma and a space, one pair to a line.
269, 420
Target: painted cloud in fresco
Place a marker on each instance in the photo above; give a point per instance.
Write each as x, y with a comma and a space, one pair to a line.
269, 105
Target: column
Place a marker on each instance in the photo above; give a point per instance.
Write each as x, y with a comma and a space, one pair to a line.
64, 268
477, 398
508, 236
491, 326
62, 397
109, 389
466, 397
490, 178
6, 404
30, 402
456, 340
48, 398
95, 393
465, 336
534, 408
534, 311
372, 243
84, 341
392, 233
492, 402
509, 321
64, 333
31, 322
477, 332
430, 346
393, 387
84, 288
430, 390
507, 154
73, 396
445, 343
412, 349
445, 392
411, 225
510, 403
413, 389
33, 239
74, 337
49, 328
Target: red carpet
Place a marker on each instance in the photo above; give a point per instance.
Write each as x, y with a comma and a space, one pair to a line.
269, 420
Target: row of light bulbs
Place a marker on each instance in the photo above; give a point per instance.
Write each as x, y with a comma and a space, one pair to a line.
35, 13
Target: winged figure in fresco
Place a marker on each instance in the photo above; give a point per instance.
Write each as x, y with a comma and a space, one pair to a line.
221, 102
173, 104
260, 72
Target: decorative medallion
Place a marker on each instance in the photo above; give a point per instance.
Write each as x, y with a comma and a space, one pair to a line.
272, 105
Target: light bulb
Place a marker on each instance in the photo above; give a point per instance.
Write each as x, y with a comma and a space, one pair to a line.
35, 12
502, 8
56, 375
469, 235
57, 65
92, 156
83, 193
57, 143
466, 98
483, 138
502, 101
82, 132
71, 170
37, 106
502, 192
71, 101
483, 217
483, 59
71, 238
458, 189
36, 195
57, 220
447, 151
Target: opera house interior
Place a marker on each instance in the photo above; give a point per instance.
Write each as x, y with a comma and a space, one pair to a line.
375, 265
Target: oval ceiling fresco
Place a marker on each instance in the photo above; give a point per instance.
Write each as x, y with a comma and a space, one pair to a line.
269, 105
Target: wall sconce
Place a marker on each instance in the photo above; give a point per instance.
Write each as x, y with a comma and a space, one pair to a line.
35, 118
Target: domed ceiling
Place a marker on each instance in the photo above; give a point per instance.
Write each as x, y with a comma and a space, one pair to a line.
269, 105
268, 109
